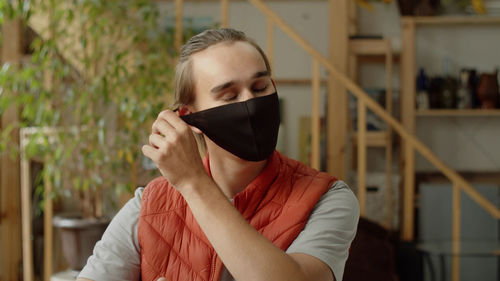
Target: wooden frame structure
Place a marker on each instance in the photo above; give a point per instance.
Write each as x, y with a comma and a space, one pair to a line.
48, 239
10, 219
373, 47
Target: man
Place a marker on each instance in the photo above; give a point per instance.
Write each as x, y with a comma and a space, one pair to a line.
245, 212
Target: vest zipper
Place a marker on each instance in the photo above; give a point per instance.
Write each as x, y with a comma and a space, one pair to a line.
214, 265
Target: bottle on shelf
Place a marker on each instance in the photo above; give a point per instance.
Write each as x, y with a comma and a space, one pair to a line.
464, 95
472, 86
422, 90
449, 88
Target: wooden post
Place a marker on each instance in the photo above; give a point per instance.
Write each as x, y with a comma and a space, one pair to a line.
455, 266
10, 212
224, 13
28, 272
408, 120
388, 148
48, 241
337, 95
270, 40
362, 157
178, 24
315, 119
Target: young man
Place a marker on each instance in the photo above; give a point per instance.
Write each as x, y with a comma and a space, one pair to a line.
244, 212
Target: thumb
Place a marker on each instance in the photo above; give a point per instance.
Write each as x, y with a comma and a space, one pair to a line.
161, 279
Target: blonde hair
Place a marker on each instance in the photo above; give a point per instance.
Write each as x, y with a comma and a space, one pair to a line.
183, 82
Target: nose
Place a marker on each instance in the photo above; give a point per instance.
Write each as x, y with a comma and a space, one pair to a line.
246, 94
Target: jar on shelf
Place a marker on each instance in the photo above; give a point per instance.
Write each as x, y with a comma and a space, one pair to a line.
487, 90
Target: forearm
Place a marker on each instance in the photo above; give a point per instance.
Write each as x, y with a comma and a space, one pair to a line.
245, 252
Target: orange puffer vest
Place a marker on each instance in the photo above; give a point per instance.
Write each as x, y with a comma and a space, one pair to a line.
277, 203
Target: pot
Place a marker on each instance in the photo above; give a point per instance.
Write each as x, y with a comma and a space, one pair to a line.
487, 90
79, 237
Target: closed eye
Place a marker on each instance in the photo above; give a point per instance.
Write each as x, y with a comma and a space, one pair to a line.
262, 89
230, 98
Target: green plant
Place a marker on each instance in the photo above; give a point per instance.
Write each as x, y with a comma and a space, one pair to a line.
99, 74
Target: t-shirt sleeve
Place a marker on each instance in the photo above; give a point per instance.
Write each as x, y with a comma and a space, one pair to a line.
330, 229
116, 255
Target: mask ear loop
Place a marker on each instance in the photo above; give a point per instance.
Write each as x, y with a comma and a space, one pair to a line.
200, 141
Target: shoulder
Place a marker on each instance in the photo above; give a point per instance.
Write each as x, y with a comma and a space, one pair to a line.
339, 198
160, 196
154, 187
116, 255
300, 171
330, 229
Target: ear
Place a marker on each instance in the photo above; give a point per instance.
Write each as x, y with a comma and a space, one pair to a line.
185, 110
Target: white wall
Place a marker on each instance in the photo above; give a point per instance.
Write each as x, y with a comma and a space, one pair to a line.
465, 143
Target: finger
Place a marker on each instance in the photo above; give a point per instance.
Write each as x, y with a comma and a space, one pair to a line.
156, 140
161, 126
149, 151
174, 120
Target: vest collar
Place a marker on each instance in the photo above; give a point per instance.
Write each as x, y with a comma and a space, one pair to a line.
253, 194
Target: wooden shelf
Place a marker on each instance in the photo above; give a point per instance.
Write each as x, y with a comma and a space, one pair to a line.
458, 112
373, 138
452, 20
368, 46
378, 59
408, 66
297, 81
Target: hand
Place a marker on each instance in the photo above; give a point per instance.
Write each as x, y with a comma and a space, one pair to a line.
173, 148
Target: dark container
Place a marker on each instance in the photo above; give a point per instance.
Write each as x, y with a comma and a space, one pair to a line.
487, 90
79, 237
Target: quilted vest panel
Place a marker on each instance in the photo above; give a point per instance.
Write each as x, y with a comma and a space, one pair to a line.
277, 203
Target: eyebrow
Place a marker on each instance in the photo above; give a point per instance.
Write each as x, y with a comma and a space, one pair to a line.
231, 83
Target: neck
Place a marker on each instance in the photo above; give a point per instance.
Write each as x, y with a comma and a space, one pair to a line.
230, 173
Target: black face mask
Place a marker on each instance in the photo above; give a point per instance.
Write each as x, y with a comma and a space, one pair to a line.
247, 129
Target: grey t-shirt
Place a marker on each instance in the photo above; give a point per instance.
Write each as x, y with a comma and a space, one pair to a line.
327, 236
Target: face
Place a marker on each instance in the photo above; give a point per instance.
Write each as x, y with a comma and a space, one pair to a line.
228, 72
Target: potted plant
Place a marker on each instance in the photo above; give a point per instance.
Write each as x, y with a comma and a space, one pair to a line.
99, 74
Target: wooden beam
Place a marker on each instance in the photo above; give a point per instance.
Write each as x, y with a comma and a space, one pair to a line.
388, 148
361, 157
48, 239
28, 271
10, 212
408, 121
224, 13
353, 18
368, 46
315, 119
270, 41
454, 20
178, 24
338, 11
455, 266
298, 82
